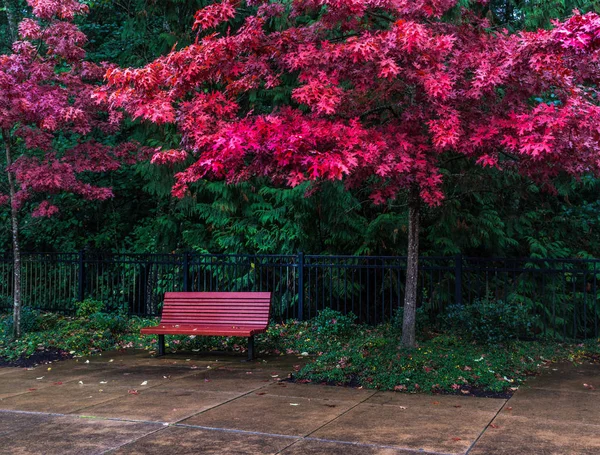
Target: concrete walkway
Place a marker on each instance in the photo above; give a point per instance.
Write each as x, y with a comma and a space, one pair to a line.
192, 404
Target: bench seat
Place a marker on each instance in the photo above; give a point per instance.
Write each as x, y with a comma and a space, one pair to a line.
204, 330
239, 314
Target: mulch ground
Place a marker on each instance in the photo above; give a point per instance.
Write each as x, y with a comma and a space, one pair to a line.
41, 357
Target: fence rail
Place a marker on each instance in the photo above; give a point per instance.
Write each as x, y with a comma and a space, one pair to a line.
561, 294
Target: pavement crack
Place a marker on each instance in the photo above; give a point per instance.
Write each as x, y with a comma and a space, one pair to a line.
486, 427
133, 441
306, 436
221, 404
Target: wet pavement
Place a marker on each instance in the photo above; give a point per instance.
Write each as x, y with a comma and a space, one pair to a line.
131, 403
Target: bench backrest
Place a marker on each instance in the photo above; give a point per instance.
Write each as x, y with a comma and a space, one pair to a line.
247, 309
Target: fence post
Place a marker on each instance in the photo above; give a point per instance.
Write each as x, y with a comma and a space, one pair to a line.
81, 277
458, 272
186, 272
300, 265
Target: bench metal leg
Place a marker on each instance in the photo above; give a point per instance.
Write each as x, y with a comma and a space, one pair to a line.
161, 345
251, 348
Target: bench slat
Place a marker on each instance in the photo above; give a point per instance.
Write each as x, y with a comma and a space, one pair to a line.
219, 295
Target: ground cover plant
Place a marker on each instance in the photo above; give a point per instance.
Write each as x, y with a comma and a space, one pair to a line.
341, 352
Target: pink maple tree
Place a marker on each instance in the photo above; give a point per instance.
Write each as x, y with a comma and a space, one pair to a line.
49, 120
384, 91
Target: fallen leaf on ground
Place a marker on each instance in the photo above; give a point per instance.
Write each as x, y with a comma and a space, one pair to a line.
31, 390
261, 393
456, 439
103, 382
402, 407
493, 425
294, 404
457, 406
589, 386
464, 392
206, 380
435, 402
81, 382
58, 383
144, 383
509, 408
41, 377
133, 392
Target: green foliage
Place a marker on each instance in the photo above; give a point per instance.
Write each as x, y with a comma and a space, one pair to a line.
332, 323
113, 323
372, 357
30, 321
88, 307
490, 321
533, 14
80, 336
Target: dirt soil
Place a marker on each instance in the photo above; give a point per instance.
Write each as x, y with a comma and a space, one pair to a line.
41, 357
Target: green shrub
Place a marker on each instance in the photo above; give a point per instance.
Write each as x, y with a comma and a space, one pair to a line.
48, 321
30, 321
333, 323
114, 323
5, 325
88, 307
490, 321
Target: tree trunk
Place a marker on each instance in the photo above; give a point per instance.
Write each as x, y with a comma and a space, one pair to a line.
12, 22
412, 269
14, 220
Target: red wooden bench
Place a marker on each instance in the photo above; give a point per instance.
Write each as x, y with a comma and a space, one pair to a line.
240, 314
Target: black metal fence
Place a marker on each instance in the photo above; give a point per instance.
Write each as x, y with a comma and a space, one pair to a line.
561, 294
